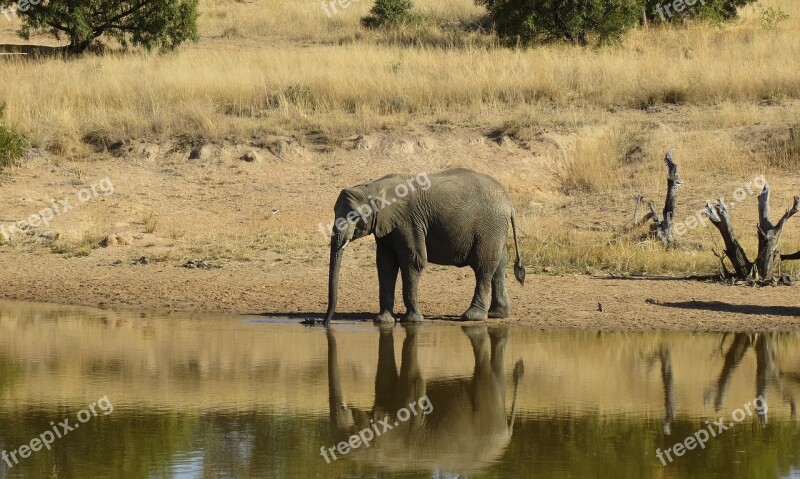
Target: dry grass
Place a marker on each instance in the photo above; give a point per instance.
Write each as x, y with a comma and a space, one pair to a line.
285, 66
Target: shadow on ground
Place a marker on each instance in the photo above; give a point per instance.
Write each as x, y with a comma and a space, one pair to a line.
721, 307
344, 316
316, 315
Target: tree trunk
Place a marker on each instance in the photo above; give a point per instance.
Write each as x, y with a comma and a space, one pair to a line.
662, 226
769, 235
718, 214
765, 371
639, 199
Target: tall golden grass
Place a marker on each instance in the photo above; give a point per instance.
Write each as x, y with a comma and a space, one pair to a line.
283, 66
286, 66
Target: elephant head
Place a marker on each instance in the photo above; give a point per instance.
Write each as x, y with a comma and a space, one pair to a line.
370, 208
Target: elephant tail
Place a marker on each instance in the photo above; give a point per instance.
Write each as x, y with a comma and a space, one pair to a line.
519, 268
519, 371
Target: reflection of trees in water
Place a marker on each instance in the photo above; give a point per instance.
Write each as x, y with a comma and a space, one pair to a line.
664, 358
238, 441
767, 371
123, 444
670, 400
9, 372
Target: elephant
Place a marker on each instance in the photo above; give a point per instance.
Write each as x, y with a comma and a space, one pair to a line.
456, 217
466, 427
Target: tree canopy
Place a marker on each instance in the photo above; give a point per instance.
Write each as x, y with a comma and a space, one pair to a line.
161, 24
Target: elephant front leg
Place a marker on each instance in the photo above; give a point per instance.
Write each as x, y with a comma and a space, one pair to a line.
411, 277
387, 282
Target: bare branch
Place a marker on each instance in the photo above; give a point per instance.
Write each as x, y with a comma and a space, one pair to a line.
718, 214
789, 213
638, 199
763, 209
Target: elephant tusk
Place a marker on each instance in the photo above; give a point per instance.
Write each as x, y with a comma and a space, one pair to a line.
345, 245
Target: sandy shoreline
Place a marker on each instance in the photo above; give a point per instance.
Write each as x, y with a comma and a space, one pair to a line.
546, 301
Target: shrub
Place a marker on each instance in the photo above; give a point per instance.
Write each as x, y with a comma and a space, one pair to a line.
575, 21
162, 24
12, 144
388, 12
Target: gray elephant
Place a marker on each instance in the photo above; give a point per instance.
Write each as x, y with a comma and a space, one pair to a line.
456, 217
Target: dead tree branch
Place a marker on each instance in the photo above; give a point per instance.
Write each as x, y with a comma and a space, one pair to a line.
769, 258
790, 257
718, 214
769, 235
639, 199
662, 226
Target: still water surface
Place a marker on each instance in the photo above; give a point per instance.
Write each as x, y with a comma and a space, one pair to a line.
189, 396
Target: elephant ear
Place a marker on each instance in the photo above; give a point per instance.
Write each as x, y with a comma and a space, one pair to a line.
354, 197
355, 200
392, 197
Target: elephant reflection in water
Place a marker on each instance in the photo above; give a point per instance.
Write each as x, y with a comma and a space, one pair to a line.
467, 427
766, 370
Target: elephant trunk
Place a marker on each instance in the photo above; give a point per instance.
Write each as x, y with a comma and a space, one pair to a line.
337, 252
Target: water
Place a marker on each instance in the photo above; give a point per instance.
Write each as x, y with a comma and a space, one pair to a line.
189, 396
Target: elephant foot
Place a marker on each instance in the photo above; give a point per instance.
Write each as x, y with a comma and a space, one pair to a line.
499, 312
412, 329
475, 331
385, 317
499, 333
476, 334
475, 314
410, 317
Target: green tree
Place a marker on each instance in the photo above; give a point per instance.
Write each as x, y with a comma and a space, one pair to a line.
574, 21
162, 24
12, 145
387, 12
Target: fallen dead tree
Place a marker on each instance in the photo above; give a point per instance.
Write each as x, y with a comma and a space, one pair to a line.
768, 259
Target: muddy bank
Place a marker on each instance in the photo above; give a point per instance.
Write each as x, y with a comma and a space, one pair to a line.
300, 289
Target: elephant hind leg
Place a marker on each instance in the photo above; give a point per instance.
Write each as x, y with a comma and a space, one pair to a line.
499, 340
479, 309
500, 304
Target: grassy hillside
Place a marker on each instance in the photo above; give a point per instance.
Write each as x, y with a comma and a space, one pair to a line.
725, 96
285, 65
